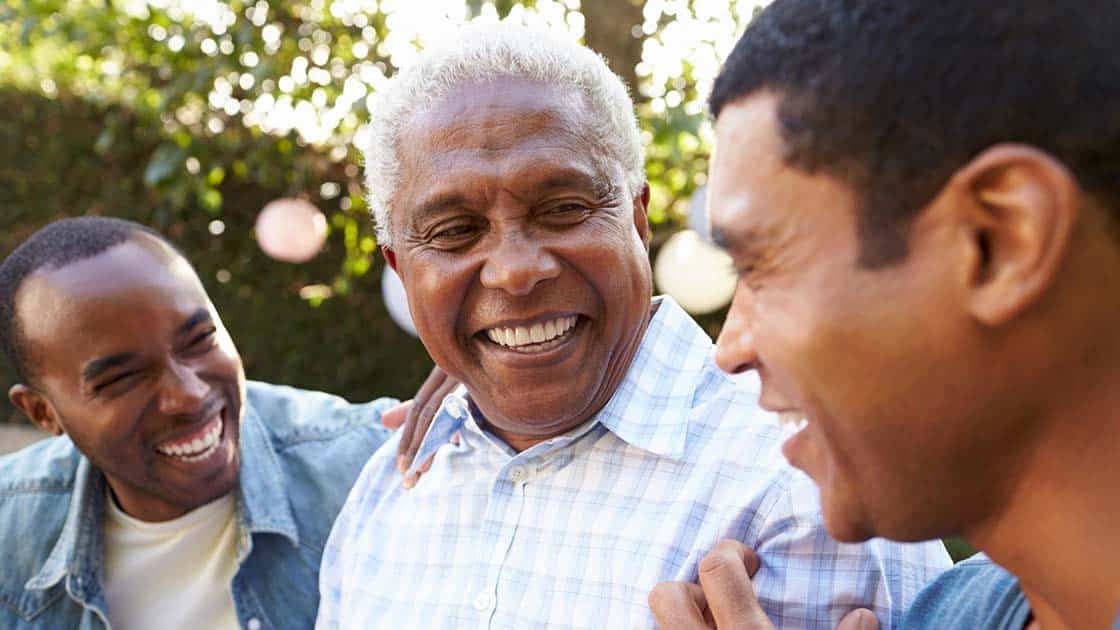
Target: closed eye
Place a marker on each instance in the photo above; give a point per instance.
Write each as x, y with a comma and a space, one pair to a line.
114, 380
203, 340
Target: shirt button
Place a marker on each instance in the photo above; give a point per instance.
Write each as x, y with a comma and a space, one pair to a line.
254, 624
517, 474
484, 602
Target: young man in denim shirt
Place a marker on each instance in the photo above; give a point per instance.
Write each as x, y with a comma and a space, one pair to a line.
179, 495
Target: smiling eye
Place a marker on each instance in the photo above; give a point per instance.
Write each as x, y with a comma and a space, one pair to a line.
203, 340
115, 380
455, 231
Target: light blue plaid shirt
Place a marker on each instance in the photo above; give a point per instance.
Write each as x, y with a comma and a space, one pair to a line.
575, 531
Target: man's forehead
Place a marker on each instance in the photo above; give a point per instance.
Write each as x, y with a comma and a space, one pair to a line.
141, 261
102, 291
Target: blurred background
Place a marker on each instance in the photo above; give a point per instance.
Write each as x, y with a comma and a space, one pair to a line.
191, 116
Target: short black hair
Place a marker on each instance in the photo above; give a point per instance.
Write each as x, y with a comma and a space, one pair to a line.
54, 246
893, 96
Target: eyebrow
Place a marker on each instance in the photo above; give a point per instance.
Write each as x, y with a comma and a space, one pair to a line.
199, 316
748, 244
97, 367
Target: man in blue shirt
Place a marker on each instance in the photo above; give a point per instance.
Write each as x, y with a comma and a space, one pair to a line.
177, 494
923, 202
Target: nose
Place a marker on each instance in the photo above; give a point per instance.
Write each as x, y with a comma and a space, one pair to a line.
183, 392
735, 348
517, 264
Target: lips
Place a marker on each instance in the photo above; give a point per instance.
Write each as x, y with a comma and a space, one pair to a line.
537, 333
538, 336
197, 445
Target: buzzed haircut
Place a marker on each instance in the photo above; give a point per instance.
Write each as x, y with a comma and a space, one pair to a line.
894, 96
52, 247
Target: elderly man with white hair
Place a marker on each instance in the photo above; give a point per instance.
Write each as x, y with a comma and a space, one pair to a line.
600, 450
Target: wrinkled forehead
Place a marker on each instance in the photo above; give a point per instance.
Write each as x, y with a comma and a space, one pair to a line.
501, 114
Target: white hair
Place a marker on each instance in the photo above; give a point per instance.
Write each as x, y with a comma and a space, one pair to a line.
480, 54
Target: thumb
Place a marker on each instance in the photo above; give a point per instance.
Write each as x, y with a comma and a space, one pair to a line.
725, 577
859, 619
395, 417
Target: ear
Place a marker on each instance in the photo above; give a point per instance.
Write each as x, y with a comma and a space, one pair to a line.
1021, 208
36, 407
641, 213
390, 257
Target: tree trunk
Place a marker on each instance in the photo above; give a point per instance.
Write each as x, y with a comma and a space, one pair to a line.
609, 27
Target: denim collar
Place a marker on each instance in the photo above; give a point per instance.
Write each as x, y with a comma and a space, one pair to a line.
650, 407
262, 507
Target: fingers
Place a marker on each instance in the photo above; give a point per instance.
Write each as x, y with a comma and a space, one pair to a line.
395, 417
420, 412
410, 479
725, 575
859, 619
679, 606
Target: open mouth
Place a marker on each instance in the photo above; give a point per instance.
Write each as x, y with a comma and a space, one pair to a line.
794, 419
536, 338
198, 445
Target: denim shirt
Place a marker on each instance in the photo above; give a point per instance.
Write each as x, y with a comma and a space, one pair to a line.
300, 453
977, 593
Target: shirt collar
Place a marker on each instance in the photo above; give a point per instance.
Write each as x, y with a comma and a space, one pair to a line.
263, 507
78, 550
649, 409
263, 503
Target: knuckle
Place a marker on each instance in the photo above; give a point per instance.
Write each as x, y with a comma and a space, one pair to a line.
715, 562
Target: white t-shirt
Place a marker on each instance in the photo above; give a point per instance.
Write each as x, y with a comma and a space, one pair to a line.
174, 574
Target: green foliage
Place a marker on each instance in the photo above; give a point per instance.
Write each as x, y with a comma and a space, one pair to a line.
190, 116
52, 168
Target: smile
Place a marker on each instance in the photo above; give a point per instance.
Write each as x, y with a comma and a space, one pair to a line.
197, 446
533, 338
794, 419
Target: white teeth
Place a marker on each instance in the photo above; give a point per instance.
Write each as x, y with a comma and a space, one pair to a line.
795, 419
537, 333
198, 448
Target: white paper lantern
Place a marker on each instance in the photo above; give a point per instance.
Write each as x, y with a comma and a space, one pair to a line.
696, 274
396, 301
291, 230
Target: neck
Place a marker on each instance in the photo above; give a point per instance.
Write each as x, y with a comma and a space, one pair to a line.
1059, 529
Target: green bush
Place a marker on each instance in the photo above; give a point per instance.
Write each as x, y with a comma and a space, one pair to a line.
54, 164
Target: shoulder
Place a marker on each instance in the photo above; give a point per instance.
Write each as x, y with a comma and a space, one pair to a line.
47, 466
294, 417
36, 485
726, 421
974, 593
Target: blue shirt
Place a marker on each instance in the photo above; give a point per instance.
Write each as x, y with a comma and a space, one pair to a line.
575, 531
300, 453
977, 593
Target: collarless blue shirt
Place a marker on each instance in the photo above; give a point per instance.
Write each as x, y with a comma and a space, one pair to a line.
300, 453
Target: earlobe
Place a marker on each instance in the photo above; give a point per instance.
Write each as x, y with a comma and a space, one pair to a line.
1023, 205
37, 408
